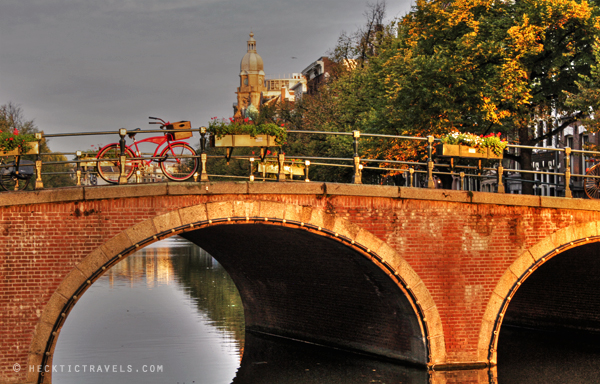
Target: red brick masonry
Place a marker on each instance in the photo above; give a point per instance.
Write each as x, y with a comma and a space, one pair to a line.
460, 256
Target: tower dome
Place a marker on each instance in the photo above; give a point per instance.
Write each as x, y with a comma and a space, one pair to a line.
252, 80
251, 63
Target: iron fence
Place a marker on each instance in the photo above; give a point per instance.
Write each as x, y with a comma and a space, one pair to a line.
425, 174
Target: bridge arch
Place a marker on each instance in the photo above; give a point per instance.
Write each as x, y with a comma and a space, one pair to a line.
287, 217
523, 267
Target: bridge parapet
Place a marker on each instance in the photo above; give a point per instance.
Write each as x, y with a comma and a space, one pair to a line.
89, 193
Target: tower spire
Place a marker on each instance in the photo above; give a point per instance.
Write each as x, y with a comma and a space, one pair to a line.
252, 43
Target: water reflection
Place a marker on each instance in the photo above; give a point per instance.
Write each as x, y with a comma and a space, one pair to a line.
545, 357
172, 305
147, 313
215, 294
275, 360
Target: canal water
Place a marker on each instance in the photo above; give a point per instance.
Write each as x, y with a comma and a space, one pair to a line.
170, 314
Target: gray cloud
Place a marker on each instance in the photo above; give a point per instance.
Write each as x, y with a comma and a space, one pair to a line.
76, 65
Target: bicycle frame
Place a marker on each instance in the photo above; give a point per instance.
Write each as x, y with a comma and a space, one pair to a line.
158, 140
176, 158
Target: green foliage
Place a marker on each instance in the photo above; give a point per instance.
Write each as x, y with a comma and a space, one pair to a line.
222, 127
10, 141
464, 138
587, 99
13, 118
467, 65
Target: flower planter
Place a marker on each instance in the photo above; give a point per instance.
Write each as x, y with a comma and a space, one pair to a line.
243, 141
289, 169
451, 150
34, 149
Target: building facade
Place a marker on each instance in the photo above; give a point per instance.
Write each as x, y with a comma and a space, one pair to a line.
256, 90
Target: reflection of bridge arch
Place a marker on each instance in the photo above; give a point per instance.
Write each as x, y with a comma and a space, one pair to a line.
388, 276
522, 268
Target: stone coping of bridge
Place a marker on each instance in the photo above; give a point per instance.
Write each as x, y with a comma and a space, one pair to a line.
288, 188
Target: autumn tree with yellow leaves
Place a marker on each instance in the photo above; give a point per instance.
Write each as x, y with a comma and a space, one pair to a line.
587, 100
476, 66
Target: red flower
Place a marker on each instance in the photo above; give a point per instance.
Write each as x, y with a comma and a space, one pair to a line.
498, 134
16, 131
268, 152
282, 125
10, 138
246, 120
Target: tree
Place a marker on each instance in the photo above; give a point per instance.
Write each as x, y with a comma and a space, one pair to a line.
478, 66
587, 100
12, 117
362, 44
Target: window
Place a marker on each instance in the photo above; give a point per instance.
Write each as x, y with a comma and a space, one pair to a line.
569, 141
585, 159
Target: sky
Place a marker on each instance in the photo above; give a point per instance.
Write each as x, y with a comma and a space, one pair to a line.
84, 66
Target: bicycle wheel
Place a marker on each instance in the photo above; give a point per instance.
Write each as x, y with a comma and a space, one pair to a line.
176, 162
12, 182
109, 163
592, 185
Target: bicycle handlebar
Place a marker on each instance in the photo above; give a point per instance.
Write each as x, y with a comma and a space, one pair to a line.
155, 122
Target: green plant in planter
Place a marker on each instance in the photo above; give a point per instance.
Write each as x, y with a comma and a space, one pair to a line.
232, 126
491, 141
10, 141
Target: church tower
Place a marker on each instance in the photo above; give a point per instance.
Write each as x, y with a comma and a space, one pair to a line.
252, 80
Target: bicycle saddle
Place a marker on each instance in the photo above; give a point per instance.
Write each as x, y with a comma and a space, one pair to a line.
133, 133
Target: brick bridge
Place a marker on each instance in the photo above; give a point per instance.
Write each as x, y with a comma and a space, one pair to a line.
418, 275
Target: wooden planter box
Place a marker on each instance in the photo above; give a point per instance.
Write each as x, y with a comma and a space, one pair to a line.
243, 141
450, 150
293, 169
34, 150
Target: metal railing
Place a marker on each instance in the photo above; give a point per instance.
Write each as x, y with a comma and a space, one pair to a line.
426, 171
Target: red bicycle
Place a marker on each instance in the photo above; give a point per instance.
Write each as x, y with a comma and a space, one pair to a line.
177, 160
591, 185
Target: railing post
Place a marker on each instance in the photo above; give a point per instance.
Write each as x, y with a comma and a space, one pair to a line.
252, 169
500, 183
17, 167
78, 172
357, 165
203, 156
280, 161
39, 184
462, 181
122, 157
430, 182
568, 172
306, 165
412, 172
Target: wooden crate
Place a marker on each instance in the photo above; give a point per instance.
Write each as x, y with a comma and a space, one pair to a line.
180, 125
